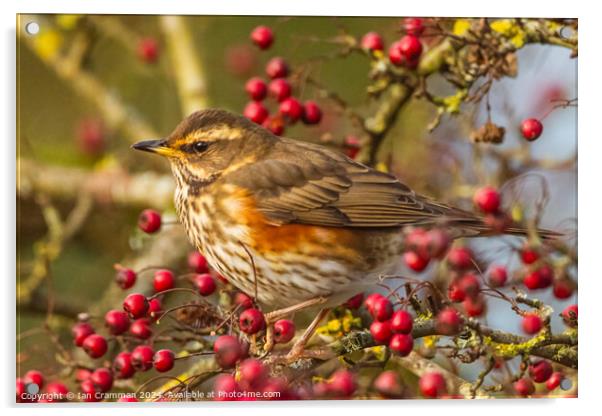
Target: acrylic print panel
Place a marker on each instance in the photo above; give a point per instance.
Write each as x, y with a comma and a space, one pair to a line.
287, 208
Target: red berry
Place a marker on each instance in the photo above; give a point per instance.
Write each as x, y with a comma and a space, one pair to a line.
127, 399
256, 88
371, 300
413, 26
417, 240
228, 351
102, 379
141, 329
91, 136
570, 315
142, 358
205, 284
89, 391
122, 365
459, 258
470, 284
531, 129
382, 309
410, 47
402, 321
351, 146
524, 387
262, 36
312, 114
280, 89
284, 331
224, 387
455, 293
154, 308
197, 262
251, 321
290, 109
82, 374
388, 384
395, 55
149, 221
34, 377
554, 380
136, 305
531, 323
498, 276
439, 241
21, 391
163, 360
163, 280
487, 199
540, 278
125, 278
540, 371
401, 344
276, 68
342, 383
355, 302
372, 41
529, 255
449, 321
563, 288
95, 345
57, 391
381, 332
415, 261
243, 300
117, 322
432, 385
252, 372
474, 306
256, 112
80, 332
275, 125
148, 50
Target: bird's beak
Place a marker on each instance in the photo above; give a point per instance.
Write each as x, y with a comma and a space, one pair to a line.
154, 146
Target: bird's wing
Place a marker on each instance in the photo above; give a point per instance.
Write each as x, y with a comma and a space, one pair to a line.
310, 184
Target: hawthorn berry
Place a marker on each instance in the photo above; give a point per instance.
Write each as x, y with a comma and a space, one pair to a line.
402, 322
262, 36
569, 315
342, 383
225, 386
529, 254
80, 332
487, 199
554, 380
142, 358
413, 26
205, 284
95, 345
432, 385
524, 387
531, 323
371, 300
284, 331
252, 372
448, 321
351, 146
381, 332
401, 344
474, 306
128, 399
388, 384
148, 50
243, 301
228, 351
280, 89
122, 365
382, 309
531, 129
34, 377
163, 280
355, 302
439, 241
540, 278
311, 114
470, 284
89, 390
276, 68
417, 240
540, 371
406, 51
256, 88
396, 57
459, 258
455, 293
274, 124
102, 379
141, 328
91, 136
117, 322
372, 41
154, 308
82, 374
197, 262
256, 112
415, 261
290, 109
498, 276
125, 277
563, 288
57, 391
21, 390
136, 305
164, 360
251, 321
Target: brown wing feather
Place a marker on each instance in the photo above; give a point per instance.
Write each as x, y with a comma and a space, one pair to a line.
309, 184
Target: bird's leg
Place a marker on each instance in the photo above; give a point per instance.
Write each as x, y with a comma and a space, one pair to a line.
299, 345
273, 316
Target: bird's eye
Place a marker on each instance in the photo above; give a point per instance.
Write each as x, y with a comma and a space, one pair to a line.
200, 146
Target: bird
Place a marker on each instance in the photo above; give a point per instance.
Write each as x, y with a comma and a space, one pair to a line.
292, 223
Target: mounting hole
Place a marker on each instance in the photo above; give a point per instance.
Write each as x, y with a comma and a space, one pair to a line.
566, 32
32, 388
32, 28
566, 384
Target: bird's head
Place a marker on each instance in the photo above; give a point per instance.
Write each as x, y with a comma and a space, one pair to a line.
209, 143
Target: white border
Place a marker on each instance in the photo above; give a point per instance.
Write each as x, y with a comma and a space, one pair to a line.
590, 153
